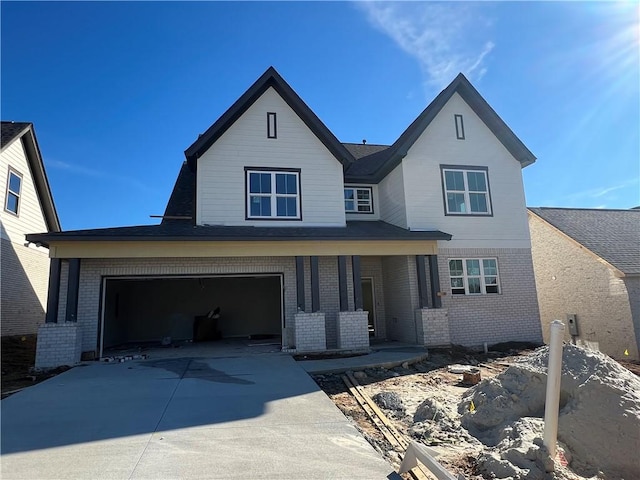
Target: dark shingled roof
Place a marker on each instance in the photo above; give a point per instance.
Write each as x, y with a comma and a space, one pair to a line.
374, 167
613, 235
182, 230
359, 150
11, 130
181, 202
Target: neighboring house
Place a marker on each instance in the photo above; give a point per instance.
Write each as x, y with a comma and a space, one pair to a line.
27, 206
324, 244
587, 267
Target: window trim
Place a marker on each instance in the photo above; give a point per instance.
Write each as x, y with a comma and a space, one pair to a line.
465, 276
355, 199
8, 191
270, 133
272, 170
465, 169
457, 118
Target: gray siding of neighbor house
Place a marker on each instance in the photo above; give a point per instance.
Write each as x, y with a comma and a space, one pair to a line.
570, 279
511, 315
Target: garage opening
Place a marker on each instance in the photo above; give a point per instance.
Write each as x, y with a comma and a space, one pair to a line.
150, 309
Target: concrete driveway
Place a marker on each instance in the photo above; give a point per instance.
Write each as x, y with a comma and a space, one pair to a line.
251, 417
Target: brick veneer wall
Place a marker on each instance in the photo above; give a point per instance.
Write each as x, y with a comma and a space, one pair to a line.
433, 327
353, 330
511, 315
309, 332
572, 280
58, 344
23, 288
633, 292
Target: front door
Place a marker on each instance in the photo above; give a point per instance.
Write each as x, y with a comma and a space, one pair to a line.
369, 304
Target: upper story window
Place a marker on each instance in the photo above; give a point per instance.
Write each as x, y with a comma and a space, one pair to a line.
14, 187
273, 194
466, 190
473, 276
358, 200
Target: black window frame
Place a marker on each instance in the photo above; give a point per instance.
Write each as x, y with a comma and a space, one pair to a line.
355, 188
9, 192
465, 169
272, 170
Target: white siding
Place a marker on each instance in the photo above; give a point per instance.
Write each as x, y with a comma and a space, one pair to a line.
30, 218
376, 204
392, 198
221, 176
507, 228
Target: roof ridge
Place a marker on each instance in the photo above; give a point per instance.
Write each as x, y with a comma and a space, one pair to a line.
632, 209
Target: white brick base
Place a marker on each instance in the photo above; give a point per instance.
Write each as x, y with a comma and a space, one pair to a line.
353, 330
58, 344
433, 326
310, 334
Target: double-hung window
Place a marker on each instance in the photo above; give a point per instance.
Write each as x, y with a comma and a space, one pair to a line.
473, 276
14, 188
466, 190
358, 200
273, 194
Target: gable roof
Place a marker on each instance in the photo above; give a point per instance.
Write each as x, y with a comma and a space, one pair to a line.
613, 235
11, 131
376, 166
270, 78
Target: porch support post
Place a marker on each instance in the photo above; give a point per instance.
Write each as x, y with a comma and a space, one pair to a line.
342, 283
434, 276
422, 282
72, 290
315, 285
300, 283
54, 292
357, 282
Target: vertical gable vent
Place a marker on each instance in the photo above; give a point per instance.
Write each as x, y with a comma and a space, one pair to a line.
272, 127
459, 127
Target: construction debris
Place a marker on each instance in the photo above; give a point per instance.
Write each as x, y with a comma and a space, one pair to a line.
495, 429
599, 421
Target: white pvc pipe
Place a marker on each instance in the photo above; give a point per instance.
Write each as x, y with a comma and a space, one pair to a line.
552, 401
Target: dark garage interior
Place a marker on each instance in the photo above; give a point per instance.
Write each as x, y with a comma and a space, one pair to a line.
147, 310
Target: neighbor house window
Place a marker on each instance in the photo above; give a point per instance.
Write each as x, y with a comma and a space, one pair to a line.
466, 191
473, 276
14, 187
273, 194
358, 200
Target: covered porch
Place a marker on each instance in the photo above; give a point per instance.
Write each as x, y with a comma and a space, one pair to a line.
338, 289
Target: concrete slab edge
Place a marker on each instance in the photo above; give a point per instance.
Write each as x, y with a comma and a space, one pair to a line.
387, 365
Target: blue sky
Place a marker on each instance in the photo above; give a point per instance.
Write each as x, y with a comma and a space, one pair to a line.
118, 91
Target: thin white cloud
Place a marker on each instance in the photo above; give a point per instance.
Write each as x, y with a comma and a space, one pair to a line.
445, 38
89, 172
599, 195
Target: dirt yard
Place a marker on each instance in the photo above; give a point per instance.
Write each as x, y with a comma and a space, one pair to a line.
429, 403
18, 356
